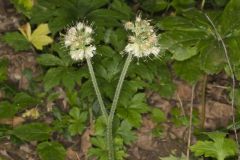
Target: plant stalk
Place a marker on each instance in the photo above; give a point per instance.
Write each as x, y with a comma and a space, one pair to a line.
203, 101
97, 91
219, 38
190, 123
114, 107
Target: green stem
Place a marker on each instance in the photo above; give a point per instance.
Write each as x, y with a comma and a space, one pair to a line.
114, 107
96, 88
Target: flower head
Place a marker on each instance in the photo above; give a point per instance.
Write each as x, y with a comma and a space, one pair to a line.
80, 42
143, 41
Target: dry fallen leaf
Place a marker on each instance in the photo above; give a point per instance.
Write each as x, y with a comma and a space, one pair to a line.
85, 140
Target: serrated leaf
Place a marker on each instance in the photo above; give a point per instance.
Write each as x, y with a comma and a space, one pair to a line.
49, 60
39, 37
77, 121
52, 78
32, 132
220, 147
125, 130
51, 151
17, 41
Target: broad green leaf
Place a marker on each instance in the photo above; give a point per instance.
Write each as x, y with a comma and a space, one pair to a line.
51, 151
52, 78
118, 39
32, 132
23, 99
101, 16
122, 7
188, 70
219, 148
39, 37
17, 41
182, 4
49, 60
230, 20
212, 56
60, 13
154, 5
7, 110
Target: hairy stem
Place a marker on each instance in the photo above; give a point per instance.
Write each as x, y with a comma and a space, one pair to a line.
96, 88
203, 101
219, 37
114, 107
190, 123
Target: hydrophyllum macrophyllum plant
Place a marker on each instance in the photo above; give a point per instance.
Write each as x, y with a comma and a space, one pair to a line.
142, 42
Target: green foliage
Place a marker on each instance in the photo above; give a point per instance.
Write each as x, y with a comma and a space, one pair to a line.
189, 49
77, 121
3, 69
158, 115
23, 6
32, 132
133, 110
51, 151
17, 41
219, 147
61, 72
171, 157
20, 101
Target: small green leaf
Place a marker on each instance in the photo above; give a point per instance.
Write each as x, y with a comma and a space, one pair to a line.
17, 41
51, 151
158, 115
32, 132
7, 110
125, 131
49, 60
77, 121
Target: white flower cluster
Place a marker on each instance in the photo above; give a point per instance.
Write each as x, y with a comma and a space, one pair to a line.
79, 40
143, 41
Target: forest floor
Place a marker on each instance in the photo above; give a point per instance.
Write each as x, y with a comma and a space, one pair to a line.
173, 138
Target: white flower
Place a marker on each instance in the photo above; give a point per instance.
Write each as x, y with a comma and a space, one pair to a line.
143, 41
79, 40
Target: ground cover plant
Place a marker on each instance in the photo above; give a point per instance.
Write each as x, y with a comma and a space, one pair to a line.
118, 79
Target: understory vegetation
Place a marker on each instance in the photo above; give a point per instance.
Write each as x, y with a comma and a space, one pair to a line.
58, 107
